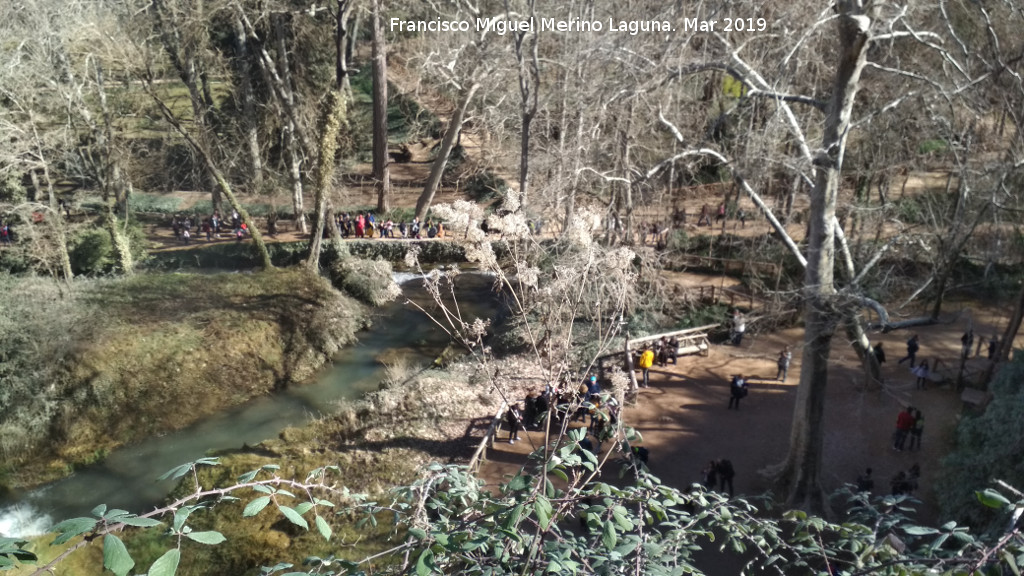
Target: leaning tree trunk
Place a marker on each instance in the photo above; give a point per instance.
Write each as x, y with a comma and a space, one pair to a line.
381, 173
222, 183
331, 118
1009, 335
447, 143
800, 474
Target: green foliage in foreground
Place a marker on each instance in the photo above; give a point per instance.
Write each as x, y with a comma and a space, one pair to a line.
446, 523
988, 446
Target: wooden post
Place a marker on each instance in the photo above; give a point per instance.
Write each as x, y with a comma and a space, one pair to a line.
633, 385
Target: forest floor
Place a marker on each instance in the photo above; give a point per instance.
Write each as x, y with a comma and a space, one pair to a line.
684, 420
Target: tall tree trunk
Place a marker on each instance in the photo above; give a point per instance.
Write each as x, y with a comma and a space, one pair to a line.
529, 85
58, 225
294, 157
330, 125
381, 172
249, 122
340, 36
115, 191
800, 473
437, 170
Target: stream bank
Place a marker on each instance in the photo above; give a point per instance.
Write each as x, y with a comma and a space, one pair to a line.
104, 363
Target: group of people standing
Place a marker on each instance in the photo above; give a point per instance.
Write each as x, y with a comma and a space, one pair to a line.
603, 410
211, 227
663, 350
364, 225
909, 424
718, 473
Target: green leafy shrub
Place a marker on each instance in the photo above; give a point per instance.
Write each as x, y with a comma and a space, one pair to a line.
92, 253
988, 446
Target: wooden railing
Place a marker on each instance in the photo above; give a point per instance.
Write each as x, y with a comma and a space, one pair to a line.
480, 455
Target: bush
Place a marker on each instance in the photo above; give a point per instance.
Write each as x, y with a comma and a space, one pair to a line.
92, 253
370, 281
485, 186
988, 446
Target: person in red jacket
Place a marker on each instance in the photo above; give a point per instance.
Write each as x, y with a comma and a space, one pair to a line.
904, 424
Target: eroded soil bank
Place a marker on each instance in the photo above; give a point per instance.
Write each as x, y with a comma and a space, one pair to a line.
106, 362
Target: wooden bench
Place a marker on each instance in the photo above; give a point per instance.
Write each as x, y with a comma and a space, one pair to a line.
696, 346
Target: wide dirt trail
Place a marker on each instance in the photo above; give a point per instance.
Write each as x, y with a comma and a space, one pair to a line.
684, 420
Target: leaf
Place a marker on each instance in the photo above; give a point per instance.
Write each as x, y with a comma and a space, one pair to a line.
99, 511
115, 515
176, 472
139, 522
167, 564
425, 563
181, 515
304, 507
323, 527
247, 477
68, 529
991, 498
115, 556
254, 507
542, 507
609, 538
418, 533
623, 522
210, 537
519, 483
920, 530
294, 517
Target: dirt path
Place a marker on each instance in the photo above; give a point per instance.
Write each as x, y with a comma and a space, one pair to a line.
685, 423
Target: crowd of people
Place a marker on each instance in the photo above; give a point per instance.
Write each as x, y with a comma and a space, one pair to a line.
366, 225
358, 225
572, 403
211, 227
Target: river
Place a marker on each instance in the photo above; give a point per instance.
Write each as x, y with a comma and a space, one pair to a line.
126, 479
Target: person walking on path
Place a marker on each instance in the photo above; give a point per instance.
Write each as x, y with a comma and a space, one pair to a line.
904, 424
704, 217
966, 343
915, 432
922, 374
737, 390
646, 361
785, 357
739, 326
725, 476
912, 347
513, 418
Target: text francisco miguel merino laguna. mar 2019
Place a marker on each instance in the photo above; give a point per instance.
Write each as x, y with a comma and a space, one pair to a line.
503, 25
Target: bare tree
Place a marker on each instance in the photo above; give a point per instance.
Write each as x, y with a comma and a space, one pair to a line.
381, 172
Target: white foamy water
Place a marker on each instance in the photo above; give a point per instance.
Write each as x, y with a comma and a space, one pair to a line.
23, 521
403, 277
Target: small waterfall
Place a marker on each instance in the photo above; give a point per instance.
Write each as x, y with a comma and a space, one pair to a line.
22, 520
